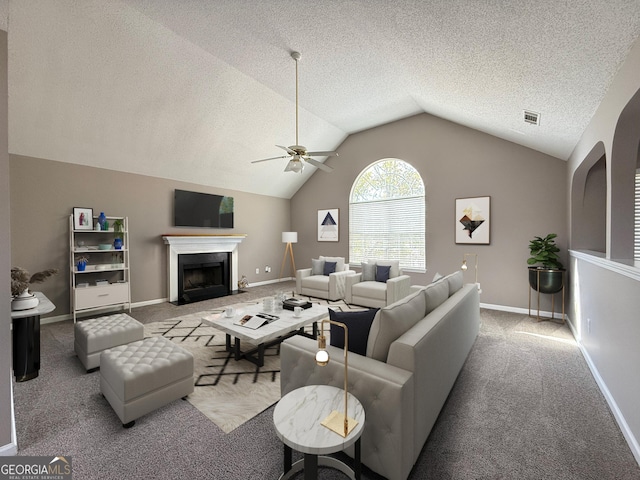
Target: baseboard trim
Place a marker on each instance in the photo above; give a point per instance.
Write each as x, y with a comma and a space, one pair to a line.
632, 441
524, 311
11, 449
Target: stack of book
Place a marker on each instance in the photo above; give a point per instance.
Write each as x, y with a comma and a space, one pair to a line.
291, 303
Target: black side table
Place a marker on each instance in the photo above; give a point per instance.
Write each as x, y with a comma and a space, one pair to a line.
26, 338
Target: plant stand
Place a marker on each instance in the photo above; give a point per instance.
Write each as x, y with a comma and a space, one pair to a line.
553, 295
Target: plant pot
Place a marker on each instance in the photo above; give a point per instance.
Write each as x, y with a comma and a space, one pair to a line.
82, 266
550, 280
117, 244
24, 301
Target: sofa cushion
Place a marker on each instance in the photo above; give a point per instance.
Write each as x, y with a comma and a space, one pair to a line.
329, 268
358, 325
316, 282
394, 264
317, 266
339, 262
373, 289
382, 273
392, 321
455, 281
368, 272
435, 294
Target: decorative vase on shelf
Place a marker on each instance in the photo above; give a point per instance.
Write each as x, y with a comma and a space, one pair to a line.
24, 301
117, 244
82, 266
101, 219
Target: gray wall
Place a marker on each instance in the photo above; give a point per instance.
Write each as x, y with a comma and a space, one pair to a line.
44, 192
527, 191
5, 260
604, 305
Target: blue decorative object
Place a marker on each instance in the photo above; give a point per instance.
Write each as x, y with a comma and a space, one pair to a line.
117, 243
101, 219
82, 266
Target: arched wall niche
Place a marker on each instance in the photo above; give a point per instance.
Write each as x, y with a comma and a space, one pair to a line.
589, 202
624, 160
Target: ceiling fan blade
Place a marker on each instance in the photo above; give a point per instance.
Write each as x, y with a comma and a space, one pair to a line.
322, 154
320, 165
272, 158
287, 149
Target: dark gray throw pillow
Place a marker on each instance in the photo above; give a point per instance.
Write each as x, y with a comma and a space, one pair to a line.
382, 273
358, 324
329, 267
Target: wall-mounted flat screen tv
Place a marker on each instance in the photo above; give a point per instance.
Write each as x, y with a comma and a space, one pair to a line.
193, 209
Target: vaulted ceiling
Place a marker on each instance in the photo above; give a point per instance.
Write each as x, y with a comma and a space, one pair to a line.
196, 90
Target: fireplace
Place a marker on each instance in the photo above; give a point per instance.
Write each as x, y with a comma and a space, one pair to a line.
189, 245
202, 276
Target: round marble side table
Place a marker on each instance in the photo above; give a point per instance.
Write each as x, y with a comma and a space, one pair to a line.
297, 418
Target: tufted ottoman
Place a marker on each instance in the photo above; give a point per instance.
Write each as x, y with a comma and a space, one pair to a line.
93, 336
139, 377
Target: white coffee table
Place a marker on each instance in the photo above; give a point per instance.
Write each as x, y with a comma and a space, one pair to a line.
267, 335
297, 418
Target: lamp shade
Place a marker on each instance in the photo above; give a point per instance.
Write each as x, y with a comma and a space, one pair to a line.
289, 237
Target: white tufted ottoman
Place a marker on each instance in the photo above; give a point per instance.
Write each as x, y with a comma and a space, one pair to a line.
93, 336
139, 377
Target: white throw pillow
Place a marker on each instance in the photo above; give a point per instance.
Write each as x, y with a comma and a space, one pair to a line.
394, 264
368, 272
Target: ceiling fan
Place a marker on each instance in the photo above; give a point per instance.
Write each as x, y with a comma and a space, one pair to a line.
297, 153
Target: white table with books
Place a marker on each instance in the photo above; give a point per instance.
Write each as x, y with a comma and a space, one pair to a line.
250, 323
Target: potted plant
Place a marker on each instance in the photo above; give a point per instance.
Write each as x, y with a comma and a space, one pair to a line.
118, 228
545, 271
81, 262
20, 281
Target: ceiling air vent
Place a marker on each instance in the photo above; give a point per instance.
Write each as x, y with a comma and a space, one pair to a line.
531, 117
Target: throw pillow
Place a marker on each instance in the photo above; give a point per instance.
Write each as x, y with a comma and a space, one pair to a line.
368, 272
339, 262
394, 264
393, 321
329, 268
436, 294
317, 266
437, 277
358, 324
455, 281
382, 273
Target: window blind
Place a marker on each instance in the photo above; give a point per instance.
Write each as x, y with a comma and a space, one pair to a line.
388, 229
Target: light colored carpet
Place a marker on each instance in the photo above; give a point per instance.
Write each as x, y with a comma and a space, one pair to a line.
227, 391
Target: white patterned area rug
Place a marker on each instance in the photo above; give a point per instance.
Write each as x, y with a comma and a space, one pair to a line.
227, 391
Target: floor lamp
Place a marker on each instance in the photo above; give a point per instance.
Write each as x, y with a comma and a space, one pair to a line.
464, 267
289, 238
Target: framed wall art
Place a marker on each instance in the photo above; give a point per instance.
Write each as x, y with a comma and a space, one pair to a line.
82, 218
473, 220
328, 225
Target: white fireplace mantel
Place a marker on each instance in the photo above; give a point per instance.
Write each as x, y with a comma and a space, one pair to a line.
182, 244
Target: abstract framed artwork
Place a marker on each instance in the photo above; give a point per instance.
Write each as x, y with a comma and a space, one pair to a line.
473, 220
82, 218
328, 225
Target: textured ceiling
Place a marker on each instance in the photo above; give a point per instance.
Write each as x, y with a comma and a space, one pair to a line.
196, 90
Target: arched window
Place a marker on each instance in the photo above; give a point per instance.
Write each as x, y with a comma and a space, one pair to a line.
387, 215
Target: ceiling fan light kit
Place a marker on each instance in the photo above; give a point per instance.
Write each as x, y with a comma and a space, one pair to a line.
297, 153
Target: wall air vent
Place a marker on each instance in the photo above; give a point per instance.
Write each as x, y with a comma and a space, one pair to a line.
531, 117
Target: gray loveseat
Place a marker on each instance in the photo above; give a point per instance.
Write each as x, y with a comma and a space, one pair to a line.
415, 350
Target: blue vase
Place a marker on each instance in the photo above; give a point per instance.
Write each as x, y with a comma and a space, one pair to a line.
101, 219
82, 266
117, 244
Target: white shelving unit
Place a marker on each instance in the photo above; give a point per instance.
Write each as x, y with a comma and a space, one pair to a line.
106, 281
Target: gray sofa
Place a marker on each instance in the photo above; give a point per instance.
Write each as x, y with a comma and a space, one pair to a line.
415, 350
